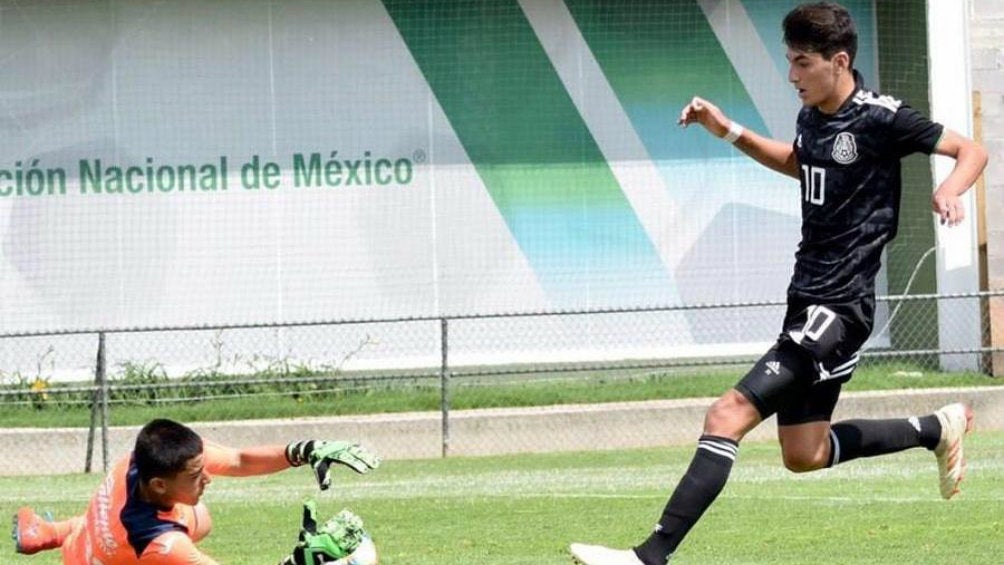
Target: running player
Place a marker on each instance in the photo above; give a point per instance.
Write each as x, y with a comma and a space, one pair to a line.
147, 509
846, 153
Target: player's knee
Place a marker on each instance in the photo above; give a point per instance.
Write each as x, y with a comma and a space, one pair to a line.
203, 523
731, 416
803, 461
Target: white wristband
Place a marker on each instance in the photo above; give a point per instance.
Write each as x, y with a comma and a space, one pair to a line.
735, 130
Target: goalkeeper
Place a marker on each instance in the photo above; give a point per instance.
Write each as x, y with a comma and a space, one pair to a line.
147, 510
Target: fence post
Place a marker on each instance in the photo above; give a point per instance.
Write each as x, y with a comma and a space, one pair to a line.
97, 403
103, 396
98, 370
444, 384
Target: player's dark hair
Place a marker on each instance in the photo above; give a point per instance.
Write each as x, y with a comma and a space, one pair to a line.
163, 449
821, 27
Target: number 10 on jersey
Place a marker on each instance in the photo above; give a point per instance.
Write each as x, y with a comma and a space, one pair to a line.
814, 182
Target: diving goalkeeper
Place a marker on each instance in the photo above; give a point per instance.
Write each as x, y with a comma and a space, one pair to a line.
147, 509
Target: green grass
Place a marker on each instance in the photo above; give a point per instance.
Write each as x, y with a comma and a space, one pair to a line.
524, 510
469, 392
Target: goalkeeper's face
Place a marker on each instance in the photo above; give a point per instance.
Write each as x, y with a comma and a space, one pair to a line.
187, 486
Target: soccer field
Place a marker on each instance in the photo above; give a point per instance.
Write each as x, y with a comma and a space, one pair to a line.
524, 510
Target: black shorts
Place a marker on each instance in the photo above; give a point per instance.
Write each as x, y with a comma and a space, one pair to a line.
800, 376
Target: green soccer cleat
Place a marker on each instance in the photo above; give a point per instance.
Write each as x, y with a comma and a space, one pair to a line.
598, 555
956, 421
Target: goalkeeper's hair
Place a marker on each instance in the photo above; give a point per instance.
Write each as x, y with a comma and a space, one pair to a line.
821, 27
163, 449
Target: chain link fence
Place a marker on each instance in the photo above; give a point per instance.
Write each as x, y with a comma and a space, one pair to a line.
437, 386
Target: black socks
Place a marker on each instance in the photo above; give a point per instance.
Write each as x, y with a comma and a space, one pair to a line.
709, 471
700, 485
852, 439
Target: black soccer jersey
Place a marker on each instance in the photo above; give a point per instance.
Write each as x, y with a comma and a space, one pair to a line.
850, 178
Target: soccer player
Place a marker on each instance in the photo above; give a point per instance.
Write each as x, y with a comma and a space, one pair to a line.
846, 153
147, 509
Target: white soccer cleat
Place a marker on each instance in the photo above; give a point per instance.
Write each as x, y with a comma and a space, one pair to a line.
956, 421
598, 555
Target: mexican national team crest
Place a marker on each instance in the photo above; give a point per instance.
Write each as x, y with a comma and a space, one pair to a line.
845, 149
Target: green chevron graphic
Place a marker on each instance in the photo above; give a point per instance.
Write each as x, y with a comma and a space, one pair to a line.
531, 148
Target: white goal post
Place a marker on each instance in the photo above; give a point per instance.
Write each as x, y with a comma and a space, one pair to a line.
957, 257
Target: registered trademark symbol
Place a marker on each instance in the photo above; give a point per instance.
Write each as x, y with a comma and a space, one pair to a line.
419, 156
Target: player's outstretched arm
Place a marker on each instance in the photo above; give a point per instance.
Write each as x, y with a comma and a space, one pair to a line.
970, 160
321, 455
245, 462
776, 155
267, 459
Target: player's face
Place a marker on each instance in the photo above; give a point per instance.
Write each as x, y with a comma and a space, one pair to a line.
188, 485
815, 78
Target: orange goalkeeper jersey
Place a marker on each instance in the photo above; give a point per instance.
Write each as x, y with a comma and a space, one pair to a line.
121, 529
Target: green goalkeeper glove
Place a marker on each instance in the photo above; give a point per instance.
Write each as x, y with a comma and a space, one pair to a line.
322, 454
335, 539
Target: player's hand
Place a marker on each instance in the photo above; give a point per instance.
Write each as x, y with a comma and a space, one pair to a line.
705, 113
321, 455
327, 543
948, 207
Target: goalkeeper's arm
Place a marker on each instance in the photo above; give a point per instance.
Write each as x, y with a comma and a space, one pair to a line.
245, 462
266, 459
321, 455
